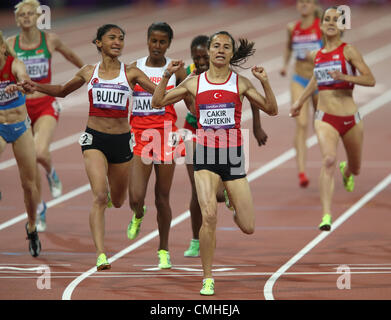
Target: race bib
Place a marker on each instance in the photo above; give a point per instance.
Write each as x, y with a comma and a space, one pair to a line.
217, 116
37, 68
6, 98
301, 49
142, 105
322, 70
110, 96
186, 134
173, 139
85, 139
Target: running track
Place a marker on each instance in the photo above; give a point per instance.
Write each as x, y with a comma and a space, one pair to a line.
286, 258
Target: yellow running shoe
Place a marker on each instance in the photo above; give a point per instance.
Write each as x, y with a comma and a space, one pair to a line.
134, 225
164, 259
102, 263
208, 287
325, 225
347, 182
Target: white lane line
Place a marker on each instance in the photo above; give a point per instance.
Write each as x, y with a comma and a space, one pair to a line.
110, 275
59, 144
354, 264
69, 289
34, 264
268, 288
386, 97
49, 204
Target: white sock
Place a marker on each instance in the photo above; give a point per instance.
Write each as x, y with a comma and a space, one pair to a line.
51, 172
40, 207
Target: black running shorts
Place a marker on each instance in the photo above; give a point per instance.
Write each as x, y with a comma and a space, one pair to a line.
228, 163
117, 148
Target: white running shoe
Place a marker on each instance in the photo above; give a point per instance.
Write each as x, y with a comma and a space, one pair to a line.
54, 184
41, 219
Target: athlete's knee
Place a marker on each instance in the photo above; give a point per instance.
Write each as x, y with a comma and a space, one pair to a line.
329, 162
248, 229
162, 199
117, 203
42, 154
355, 169
101, 198
248, 226
209, 218
301, 127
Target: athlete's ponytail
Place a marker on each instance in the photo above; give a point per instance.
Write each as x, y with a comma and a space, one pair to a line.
8, 50
240, 54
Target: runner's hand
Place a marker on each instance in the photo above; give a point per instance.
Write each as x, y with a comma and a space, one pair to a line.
259, 73
337, 75
295, 110
261, 136
28, 86
174, 66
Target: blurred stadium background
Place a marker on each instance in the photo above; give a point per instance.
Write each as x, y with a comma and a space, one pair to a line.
63, 9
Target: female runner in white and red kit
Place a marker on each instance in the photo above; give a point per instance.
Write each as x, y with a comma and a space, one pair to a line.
304, 36
337, 115
156, 139
218, 95
106, 142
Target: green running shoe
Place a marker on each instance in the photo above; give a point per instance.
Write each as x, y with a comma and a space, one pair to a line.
194, 249
102, 263
208, 286
347, 182
227, 203
325, 225
164, 259
134, 225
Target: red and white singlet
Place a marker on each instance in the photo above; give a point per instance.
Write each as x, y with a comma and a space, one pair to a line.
109, 98
143, 116
332, 61
219, 112
306, 40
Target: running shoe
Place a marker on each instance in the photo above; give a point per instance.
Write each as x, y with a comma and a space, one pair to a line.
347, 182
164, 259
102, 263
41, 218
303, 180
194, 249
34, 243
54, 184
134, 225
109, 202
325, 225
208, 287
227, 202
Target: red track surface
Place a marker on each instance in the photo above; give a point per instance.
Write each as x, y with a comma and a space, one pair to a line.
286, 216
